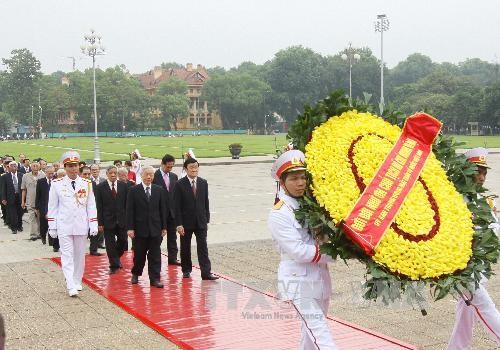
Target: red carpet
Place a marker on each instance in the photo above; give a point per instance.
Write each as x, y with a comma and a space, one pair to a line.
196, 314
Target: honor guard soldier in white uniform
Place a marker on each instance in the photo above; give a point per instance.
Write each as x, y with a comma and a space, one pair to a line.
303, 277
71, 215
479, 308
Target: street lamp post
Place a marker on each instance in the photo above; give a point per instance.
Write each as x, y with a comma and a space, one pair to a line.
39, 116
93, 48
381, 26
351, 57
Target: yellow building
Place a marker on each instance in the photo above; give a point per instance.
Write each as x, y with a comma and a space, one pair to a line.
200, 117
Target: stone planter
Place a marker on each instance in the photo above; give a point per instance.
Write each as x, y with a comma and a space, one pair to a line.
235, 152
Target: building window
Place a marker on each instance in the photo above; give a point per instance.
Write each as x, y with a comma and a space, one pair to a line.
191, 121
209, 121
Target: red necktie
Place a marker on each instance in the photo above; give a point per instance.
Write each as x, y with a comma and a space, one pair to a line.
194, 187
113, 190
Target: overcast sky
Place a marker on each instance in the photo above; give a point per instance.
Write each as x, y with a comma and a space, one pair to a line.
144, 33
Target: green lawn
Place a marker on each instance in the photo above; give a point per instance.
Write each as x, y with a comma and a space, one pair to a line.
479, 141
150, 146
155, 147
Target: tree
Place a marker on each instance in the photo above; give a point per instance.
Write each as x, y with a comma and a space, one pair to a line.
172, 108
490, 105
415, 67
23, 70
167, 65
240, 97
172, 86
6, 123
296, 78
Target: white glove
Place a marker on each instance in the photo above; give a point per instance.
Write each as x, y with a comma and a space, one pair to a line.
495, 226
93, 233
53, 233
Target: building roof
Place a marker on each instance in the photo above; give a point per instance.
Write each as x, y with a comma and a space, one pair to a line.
192, 76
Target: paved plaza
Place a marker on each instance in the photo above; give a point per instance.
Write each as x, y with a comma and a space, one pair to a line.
40, 315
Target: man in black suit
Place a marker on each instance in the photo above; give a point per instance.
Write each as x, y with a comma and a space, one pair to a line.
165, 178
111, 201
4, 170
147, 223
11, 197
192, 214
85, 173
42, 203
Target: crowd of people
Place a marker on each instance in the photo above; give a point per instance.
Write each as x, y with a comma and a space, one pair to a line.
67, 203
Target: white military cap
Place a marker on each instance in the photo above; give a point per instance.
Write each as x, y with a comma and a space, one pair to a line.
292, 160
70, 157
190, 154
478, 156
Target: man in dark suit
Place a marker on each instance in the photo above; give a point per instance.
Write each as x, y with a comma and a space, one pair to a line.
165, 178
111, 200
192, 214
4, 170
97, 179
85, 173
147, 223
11, 197
24, 166
42, 203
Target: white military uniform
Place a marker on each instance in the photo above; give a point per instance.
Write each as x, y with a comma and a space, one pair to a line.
303, 277
72, 212
481, 309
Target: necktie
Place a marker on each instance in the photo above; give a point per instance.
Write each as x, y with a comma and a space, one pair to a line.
148, 194
15, 182
193, 186
73, 184
166, 179
113, 190
50, 181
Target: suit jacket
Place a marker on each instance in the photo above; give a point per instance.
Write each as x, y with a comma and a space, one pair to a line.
42, 196
147, 218
191, 212
72, 211
111, 211
8, 192
158, 180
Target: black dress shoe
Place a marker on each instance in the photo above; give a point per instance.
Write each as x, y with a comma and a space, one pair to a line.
177, 263
210, 277
55, 250
156, 284
33, 238
186, 275
14, 232
44, 241
113, 271
134, 279
95, 253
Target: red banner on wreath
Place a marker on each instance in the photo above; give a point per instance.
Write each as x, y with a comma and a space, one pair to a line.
381, 200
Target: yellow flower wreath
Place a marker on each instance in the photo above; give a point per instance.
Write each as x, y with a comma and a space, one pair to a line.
432, 232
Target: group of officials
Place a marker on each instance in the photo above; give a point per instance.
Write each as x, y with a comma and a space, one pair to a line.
81, 204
